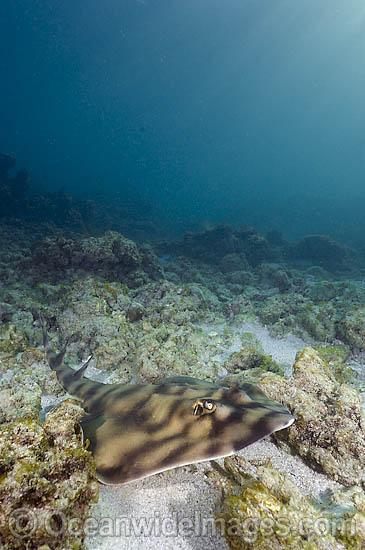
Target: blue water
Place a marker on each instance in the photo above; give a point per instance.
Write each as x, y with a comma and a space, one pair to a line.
241, 111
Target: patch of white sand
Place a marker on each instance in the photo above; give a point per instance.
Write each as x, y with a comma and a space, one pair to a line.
173, 510
283, 350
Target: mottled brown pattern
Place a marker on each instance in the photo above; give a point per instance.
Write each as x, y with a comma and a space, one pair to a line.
138, 430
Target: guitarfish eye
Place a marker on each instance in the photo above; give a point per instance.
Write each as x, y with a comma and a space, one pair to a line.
203, 406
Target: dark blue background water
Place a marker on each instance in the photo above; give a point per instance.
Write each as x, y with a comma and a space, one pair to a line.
211, 110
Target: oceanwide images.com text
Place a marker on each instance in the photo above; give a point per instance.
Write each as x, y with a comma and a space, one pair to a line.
24, 522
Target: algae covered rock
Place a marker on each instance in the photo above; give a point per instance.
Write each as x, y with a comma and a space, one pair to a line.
322, 310
321, 250
19, 401
95, 254
318, 321
23, 382
215, 243
351, 328
12, 340
233, 262
112, 256
268, 512
166, 349
275, 276
336, 357
329, 431
324, 291
94, 321
147, 333
47, 482
249, 363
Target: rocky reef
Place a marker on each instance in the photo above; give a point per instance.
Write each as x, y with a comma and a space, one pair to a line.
321, 250
316, 295
329, 431
231, 248
249, 363
266, 511
56, 260
47, 482
148, 312
112, 257
22, 203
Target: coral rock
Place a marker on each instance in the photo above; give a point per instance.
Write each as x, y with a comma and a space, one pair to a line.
47, 482
268, 512
329, 430
352, 328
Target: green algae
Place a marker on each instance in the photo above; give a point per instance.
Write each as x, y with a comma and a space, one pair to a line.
332, 354
97, 315
318, 321
335, 357
12, 340
249, 363
46, 475
351, 328
324, 311
18, 401
329, 431
267, 511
